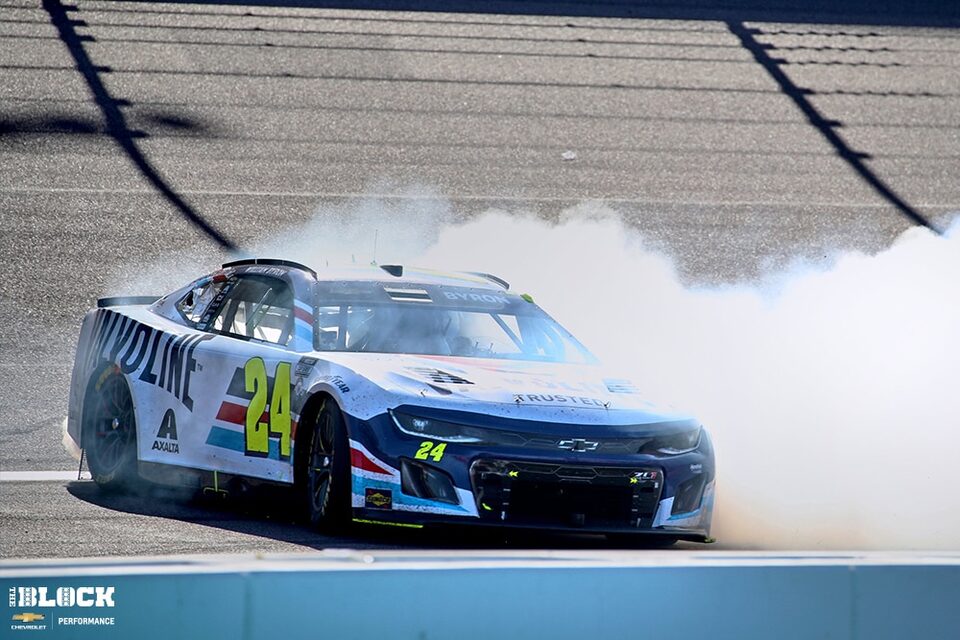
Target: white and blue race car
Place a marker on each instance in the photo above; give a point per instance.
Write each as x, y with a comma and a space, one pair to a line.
385, 395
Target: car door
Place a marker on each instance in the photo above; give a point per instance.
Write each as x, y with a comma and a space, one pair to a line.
243, 423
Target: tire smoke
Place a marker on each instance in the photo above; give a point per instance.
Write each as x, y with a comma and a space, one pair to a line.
832, 393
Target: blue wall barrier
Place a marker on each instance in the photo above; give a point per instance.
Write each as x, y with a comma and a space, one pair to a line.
606, 595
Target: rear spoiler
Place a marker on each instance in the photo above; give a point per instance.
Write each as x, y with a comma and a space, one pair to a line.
490, 277
116, 301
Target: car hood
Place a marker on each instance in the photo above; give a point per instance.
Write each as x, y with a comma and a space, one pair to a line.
570, 393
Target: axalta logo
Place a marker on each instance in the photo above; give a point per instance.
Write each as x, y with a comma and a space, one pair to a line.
30, 597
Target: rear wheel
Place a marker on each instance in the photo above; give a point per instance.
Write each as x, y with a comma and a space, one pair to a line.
110, 433
327, 473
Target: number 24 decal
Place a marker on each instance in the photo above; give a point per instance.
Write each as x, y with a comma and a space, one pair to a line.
256, 433
429, 449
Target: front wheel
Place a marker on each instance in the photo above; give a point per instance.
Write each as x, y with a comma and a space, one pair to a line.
327, 474
110, 433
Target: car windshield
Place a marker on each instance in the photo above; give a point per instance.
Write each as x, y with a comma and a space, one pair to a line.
483, 326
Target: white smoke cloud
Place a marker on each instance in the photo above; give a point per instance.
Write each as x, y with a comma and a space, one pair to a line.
831, 393
384, 230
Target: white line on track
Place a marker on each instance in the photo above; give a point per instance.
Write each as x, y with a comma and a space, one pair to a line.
41, 476
341, 560
492, 198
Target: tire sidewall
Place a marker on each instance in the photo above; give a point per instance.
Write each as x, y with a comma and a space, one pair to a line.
125, 472
337, 506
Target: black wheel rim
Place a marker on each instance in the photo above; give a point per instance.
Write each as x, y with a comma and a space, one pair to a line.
112, 426
320, 463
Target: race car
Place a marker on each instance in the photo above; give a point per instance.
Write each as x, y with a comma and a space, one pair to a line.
382, 394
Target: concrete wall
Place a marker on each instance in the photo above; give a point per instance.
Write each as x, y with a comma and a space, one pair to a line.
575, 595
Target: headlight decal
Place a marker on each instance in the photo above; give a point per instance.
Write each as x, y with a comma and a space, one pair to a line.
674, 443
436, 429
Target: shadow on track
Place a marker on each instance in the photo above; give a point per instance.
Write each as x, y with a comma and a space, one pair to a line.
268, 513
826, 127
116, 122
735, 14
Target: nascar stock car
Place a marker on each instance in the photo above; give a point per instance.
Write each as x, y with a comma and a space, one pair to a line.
384, 395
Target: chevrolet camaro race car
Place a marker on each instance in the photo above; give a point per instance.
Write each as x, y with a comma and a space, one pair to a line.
382, 395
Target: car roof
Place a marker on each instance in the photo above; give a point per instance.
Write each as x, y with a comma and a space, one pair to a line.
386, 274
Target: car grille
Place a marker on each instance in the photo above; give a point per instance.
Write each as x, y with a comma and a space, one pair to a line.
603, 446
570, 496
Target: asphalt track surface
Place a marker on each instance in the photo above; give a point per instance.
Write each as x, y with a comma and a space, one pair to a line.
734, 136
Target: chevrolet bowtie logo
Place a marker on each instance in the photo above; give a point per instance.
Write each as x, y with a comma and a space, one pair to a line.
578, 444
28, 617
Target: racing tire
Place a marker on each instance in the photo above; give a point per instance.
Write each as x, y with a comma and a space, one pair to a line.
327, 474
110, 433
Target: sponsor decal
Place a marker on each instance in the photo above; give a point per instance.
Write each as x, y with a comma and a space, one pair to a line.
304, 367
224, 284
338, 382
176, 365
378, 498
162, 359
167, 434
546, 398
564, 386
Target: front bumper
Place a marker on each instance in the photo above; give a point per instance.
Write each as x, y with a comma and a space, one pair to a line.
507, 487
566, 495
